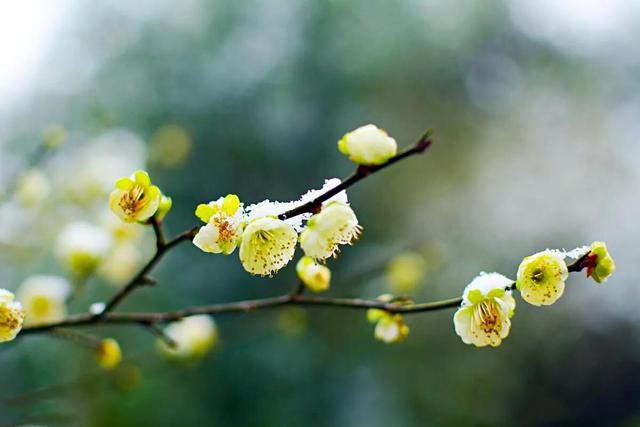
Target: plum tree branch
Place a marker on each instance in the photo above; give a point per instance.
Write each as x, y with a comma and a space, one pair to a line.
248, 306
163, 246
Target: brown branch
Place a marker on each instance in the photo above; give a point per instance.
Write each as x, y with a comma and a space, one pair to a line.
361, 172
246, 306
142, 278
162, 246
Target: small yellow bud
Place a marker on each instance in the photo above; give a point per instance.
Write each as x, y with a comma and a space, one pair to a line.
134, 198
268, 244
541, 277
336, 224
193, 336
316, 277
108, 353
368, 145
11, 316
164, 207
599, 263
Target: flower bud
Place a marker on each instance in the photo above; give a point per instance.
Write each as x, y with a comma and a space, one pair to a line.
193, 337
108, 353
600, 265
368, 145
316, 277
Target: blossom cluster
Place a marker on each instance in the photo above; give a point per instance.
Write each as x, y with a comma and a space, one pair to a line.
484, 317
267, 243
267, 237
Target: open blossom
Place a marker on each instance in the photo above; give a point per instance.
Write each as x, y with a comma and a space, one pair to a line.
224, 223
390, 328
484, 316
368, 145
599, 263
541, 277
82, 246
193, 336
134, 198
44, 299
108, 353
315, 277
268, 244
11, 316
336, 224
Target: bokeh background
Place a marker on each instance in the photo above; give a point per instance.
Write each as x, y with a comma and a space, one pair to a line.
536, 111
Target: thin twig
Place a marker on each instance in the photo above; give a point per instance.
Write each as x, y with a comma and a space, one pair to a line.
361, 172
247, 306
141, 278
163, 247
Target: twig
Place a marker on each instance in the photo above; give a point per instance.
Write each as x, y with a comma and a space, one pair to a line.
247, 306
142, 277
162, 247
361, 172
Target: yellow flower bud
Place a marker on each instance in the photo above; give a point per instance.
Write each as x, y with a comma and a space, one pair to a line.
484, 316
600, 265
11, 316
108, 353
541, 277
164, 207
368, 145
268, 244
193, 336
336, 224
134, 198
316, 277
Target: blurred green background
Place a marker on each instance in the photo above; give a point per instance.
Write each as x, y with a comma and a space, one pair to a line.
536, 112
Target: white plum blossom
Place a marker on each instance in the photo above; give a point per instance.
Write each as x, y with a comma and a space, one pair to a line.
487, 306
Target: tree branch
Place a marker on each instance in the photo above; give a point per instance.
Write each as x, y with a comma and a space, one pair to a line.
247, 306
141, 278
361, 172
